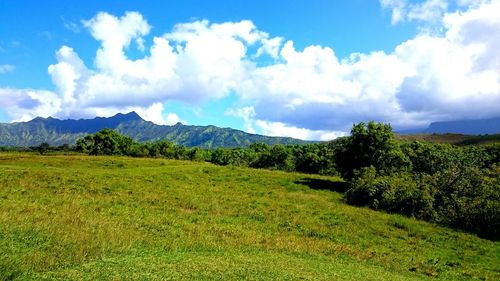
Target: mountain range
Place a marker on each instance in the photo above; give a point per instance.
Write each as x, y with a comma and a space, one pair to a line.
58, 132
488, 126
466, 127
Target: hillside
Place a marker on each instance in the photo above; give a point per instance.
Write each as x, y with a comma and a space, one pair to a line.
466, 127
490, 126
59, 132
456, 139
118, 218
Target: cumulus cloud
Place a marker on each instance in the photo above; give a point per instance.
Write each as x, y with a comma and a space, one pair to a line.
6, 68
430, 77
308, 93
23, 105
281, 129
195, 62
155, 114
270, 128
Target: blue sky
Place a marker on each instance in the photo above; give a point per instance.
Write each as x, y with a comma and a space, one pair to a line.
387, 79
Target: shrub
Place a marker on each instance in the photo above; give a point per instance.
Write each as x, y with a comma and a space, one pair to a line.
399, 193
461, 197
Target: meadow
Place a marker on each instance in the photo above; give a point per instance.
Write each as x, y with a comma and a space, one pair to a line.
78, 217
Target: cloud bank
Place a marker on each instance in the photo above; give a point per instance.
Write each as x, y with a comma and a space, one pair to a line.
451, 73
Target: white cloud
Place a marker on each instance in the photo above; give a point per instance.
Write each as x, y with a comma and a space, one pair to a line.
155, 114
24, 105
281, 129
117, 84
195, 62
248, 116
397, 8
115, 34
306, 93
428, 11
425, 11
431, 77
172, 119
6, 68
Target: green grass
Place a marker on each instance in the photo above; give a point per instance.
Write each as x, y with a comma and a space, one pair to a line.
117, 218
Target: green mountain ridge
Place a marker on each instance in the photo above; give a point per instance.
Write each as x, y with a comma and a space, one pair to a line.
58, 132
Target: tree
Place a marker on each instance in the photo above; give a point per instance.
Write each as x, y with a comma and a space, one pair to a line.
43, 148
220, 157
107, 142
371, 144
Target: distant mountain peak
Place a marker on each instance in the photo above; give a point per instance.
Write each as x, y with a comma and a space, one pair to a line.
37, 119
131, 116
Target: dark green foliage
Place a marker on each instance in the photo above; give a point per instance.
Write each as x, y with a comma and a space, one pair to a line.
43, 148
196, 154
493, 154
465, 198
315, 159
109, 142
277, 157
106, 142
469, 198
450, 185
220, 157
399, 193
371, 144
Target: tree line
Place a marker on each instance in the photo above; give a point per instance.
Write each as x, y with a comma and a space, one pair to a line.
446, 184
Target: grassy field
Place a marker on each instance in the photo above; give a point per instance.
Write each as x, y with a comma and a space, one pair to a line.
117, 218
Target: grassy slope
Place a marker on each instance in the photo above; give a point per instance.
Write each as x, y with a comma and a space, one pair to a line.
79, 217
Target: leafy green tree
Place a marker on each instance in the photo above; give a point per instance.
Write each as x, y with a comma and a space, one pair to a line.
220, 157
107, 142
371, 144
259, 147
196, 154
85, 144
281, 158
166, 149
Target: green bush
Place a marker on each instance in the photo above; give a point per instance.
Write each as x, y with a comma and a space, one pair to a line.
461, 197
398, 193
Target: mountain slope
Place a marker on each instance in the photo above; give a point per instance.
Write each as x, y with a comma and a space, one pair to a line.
467, 127
58, 132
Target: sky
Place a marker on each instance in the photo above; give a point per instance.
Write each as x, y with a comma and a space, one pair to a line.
305, 69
